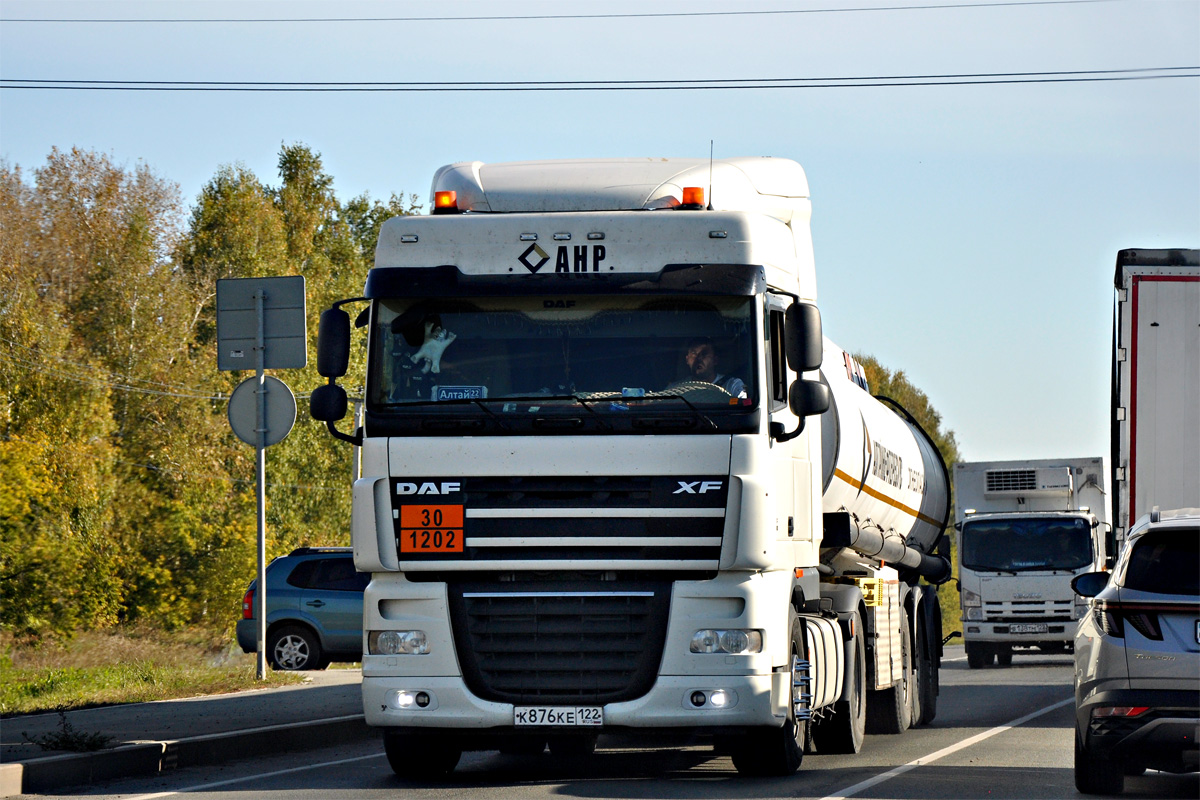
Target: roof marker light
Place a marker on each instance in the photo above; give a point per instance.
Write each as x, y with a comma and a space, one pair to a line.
693, 197
445, 202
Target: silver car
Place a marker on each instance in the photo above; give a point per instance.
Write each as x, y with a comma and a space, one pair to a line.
1137, 657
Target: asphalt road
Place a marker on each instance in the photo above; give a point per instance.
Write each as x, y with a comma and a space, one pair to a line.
999, 733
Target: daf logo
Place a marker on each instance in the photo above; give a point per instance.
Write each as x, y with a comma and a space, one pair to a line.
446, 487
697, 487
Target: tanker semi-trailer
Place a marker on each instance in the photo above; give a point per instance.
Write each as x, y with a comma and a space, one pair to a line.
590, 500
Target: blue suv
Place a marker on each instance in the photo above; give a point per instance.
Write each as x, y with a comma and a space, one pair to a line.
314, 609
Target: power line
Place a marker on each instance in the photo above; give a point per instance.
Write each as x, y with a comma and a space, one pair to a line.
952, 79
525, 17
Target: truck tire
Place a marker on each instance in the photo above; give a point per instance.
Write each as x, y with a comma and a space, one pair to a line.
293, 647
917, 671
927, 677
1096, 775
777, 751
1004, 655
979, 654
843, 730
889, 711
420, 758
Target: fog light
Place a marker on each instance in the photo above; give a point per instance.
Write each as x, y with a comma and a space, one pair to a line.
718, 698
422, 700
698, 699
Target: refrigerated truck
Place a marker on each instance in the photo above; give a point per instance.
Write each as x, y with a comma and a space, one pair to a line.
1025, 528
616, 480
1155, 384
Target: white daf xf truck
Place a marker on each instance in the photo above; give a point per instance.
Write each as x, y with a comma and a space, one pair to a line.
1156, 384
1025, 529
615, 480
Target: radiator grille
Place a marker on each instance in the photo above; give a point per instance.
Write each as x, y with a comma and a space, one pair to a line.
626, 522
1011, 480
538, 643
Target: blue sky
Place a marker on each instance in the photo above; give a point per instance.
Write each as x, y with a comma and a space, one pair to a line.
965, 234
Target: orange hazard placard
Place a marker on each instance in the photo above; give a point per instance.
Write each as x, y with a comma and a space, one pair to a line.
431, 529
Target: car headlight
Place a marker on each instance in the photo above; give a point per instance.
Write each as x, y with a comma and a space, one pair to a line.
970, 598
727, 641
397, 643
974, 614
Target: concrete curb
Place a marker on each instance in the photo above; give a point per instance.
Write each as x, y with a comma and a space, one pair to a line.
133, 759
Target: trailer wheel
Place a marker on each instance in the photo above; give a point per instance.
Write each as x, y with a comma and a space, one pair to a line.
778, 751
927, 677
420, 758
918, 670
889, 710
843, 731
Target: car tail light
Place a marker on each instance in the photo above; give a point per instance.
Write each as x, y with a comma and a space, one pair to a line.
248, 605
1119, 711
1142, 617
1108, 618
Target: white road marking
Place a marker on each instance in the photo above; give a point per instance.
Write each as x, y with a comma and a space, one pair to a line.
850, 791
217, 784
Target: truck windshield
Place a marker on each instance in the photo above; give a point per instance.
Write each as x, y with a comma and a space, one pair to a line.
1038, 543
505, 358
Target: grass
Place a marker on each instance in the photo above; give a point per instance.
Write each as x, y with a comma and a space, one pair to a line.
123, 666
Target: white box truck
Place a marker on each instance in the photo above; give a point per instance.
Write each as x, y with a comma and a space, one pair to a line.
590, 500
1155, 384
1024, 530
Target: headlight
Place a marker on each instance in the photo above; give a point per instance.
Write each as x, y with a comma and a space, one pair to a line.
970, 598
974, 614
727, 641
397, 643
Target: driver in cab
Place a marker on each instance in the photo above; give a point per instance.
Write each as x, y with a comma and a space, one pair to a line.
702, 363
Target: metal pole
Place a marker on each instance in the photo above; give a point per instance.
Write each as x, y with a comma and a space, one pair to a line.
260, 463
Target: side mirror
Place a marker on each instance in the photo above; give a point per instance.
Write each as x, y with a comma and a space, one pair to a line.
333, 344
803, 343
328, 403
1089, 584
807, 398
943, 546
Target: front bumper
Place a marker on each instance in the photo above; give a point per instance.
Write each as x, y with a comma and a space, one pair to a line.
1164, 737
1002, 632
758, 701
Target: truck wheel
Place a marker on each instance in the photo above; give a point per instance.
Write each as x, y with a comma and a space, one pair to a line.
843, 730
420, 757
927, 677
979, 655
889, 710
294, 647
917, 670
1096, 775
1004, 655
778, 751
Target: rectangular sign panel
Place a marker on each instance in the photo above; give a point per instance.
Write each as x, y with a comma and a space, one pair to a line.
285, 338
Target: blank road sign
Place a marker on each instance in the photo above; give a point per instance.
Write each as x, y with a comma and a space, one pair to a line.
284, 336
